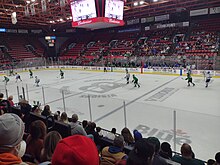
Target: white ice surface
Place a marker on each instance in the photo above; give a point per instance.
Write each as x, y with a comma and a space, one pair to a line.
148, 108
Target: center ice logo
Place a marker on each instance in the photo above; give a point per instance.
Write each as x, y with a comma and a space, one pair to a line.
101, 87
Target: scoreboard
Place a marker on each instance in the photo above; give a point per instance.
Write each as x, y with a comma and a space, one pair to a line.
101, 13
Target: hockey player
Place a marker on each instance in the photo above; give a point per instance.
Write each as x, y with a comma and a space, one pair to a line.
135, 80
6, 80
31, 73
37, 81
17, 77
61, 74
127, 76
208, 78
189, 78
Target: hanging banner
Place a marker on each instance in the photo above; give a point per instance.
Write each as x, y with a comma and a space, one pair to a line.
214, 10
198, 12
162, 17
26, 11
32, 9
44, 6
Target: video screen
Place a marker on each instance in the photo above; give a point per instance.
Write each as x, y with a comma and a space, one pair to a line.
114, 9
83, 9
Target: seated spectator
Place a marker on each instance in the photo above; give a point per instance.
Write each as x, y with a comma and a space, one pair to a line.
187, 156
10, 99
25, 110
57, 116
36, 110
111, 135
12, 147
99, 131
111, 154
84, 124
4, 104
90, 130
142, 153
137, 135
46, 111
129, 140
64, 118
217, 158
50, 143
35, 139
75, 150
165, 150
157, 158
211, 162
75, 127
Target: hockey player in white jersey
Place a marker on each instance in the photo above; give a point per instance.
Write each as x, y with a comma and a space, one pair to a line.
207, 78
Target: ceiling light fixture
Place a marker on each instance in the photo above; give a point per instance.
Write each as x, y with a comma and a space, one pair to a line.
28, 2
141, 2
135, 3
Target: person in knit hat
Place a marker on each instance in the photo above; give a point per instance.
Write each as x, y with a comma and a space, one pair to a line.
12, 147
76, 150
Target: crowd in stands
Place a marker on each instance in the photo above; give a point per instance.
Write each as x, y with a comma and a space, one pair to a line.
24, 141
184, 46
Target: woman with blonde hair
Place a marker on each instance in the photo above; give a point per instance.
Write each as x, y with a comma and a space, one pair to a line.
50, 143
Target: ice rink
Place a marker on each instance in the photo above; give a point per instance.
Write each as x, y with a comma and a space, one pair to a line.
149, 108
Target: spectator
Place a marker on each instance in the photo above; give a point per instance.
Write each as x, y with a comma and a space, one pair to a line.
129, 140
91, 131
99, 131
84, 124
111, 135
57, 115
157, 158
12, 147
64, 118
4, 104
217, 158
165, 150
76, 150
112, 154
46, 112
211, 162
35, 139
50, 143
25, 110
187, 156
142, 153
36, 110
10, 99
75, 127
137, 135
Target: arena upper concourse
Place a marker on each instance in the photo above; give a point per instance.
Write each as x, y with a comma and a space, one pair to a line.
70, 59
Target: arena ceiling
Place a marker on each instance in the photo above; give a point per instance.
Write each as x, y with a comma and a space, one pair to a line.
59, 16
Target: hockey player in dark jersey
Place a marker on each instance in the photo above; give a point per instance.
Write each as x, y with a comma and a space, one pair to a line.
135, 80
61, 74
189, 78
31, 73
6, 80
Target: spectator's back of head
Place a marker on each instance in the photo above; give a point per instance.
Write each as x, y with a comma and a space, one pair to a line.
119, 141
186, 150
210, 162
1, 95
217, 157
113, 130
155, 142
142, 154
74, 118
11, 132
38, 129
76, 150
137, 135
